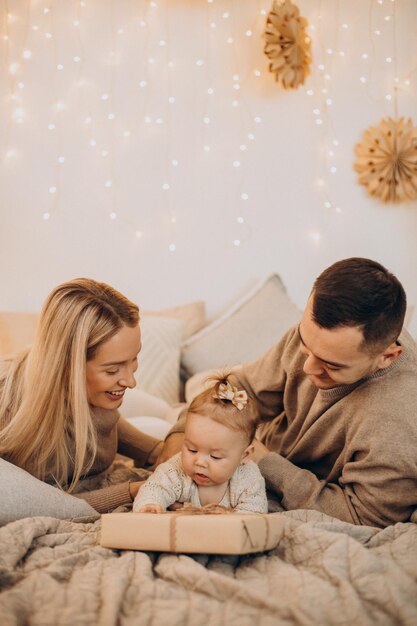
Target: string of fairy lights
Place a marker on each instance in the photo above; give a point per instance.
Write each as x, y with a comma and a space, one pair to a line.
32, 28
329, 29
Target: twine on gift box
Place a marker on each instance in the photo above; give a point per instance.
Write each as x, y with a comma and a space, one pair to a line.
211, 509
191, 509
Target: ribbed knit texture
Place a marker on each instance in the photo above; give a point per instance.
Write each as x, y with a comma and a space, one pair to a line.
349, 451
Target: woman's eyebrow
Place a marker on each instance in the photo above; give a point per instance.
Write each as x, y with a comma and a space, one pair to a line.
341, 365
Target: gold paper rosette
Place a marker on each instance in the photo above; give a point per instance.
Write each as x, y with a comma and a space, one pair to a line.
387, 160
287, 44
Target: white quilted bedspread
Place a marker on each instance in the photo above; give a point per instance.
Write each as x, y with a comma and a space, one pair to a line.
324, 572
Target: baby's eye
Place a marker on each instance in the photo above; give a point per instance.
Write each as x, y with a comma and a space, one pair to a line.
332, 368
111, 372
216, 458
192, 451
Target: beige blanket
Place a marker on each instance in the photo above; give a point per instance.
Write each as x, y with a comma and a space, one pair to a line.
323, 572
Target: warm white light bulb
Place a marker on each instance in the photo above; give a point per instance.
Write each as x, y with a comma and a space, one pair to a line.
244, 196
108, 184
46, 216
113, 215
52, 190
236, 242
165, 186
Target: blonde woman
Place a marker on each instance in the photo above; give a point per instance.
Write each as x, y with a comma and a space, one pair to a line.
59, 399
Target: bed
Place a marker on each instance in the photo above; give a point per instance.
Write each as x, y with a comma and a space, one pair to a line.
322, 572
54, 572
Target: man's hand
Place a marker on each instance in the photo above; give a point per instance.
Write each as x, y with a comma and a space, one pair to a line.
172, 445
259, 451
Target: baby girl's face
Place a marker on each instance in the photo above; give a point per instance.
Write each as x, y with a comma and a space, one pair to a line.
211, 452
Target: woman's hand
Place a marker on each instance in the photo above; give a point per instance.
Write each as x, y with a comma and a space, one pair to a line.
154, 455
134, 488
171, 446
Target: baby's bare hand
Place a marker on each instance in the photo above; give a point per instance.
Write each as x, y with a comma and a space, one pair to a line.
151, 508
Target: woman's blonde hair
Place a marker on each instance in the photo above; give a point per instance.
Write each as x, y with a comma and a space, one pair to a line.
210, 403
46, 425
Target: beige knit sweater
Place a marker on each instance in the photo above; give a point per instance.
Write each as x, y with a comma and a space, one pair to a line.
350, 451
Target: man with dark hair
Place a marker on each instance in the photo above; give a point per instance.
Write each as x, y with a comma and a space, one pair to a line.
338, 400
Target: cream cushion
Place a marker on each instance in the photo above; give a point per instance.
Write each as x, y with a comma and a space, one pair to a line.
159, 360
16, 331
192, 315
245, 331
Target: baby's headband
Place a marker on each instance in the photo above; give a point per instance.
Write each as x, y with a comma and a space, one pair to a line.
226, 391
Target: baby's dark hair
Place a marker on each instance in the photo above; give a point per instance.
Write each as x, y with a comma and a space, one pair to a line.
222, 410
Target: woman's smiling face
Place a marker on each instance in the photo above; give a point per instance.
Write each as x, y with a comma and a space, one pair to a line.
111, 371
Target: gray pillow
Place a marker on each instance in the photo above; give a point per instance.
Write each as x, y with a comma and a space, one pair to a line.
22, 495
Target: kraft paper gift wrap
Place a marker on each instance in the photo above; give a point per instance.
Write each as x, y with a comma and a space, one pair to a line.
199, 534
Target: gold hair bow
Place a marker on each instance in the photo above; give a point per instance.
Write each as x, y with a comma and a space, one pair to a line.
226, 391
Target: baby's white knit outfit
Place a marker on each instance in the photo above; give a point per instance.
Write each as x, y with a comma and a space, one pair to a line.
168, 484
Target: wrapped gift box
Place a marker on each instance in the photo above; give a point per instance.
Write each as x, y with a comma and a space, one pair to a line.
199, 534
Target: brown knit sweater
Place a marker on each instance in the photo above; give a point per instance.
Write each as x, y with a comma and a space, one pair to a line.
114, 435
350, 451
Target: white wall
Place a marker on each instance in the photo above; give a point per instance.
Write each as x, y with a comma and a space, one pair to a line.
286, 229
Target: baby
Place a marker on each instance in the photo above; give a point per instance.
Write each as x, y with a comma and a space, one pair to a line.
213, 466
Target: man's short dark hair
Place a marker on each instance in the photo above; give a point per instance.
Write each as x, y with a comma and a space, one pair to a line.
360, 292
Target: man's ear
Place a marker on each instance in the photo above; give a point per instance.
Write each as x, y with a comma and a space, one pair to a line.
247, 453
389, 355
